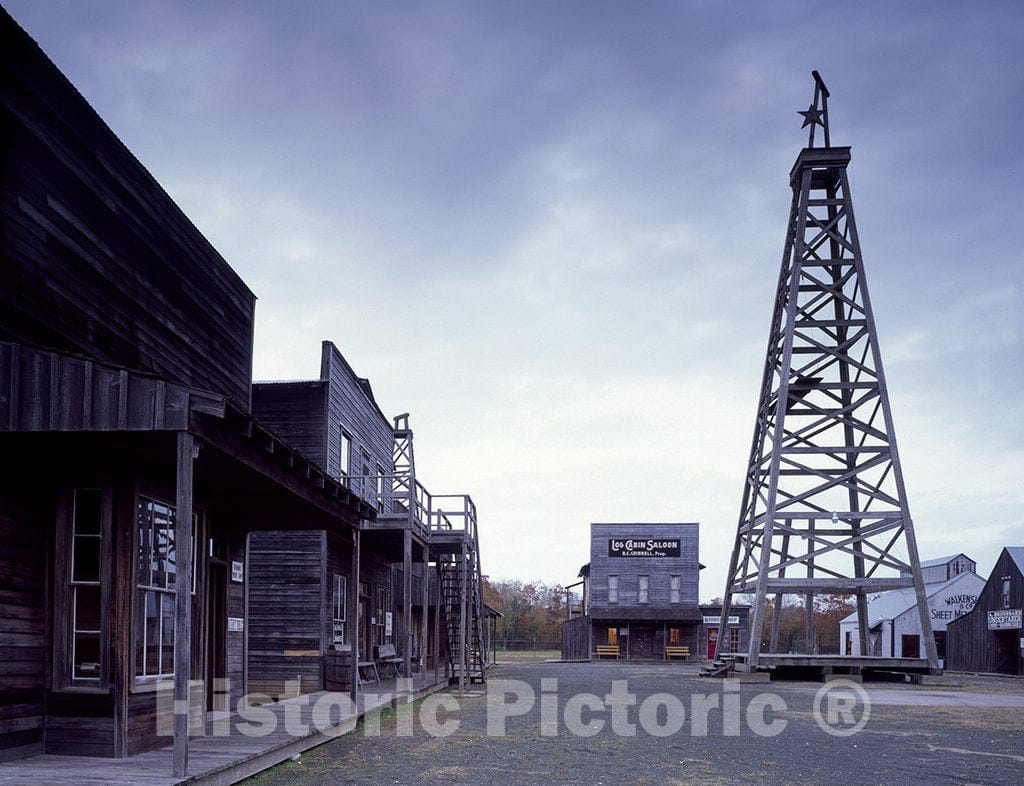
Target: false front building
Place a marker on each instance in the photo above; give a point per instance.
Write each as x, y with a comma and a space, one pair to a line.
640, 596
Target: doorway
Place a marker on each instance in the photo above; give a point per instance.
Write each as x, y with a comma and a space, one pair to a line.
1006, 652
216, 635
712, 634
641, 643
365, 646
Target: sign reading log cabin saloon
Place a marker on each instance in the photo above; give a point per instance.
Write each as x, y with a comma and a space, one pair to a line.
643, 548
1005, 619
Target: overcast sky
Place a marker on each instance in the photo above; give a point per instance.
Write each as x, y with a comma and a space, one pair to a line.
551, 231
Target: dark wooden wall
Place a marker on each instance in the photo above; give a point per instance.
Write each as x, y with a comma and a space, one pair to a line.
658, 569
970, 645
351, 406
287, 584
95, 257
576, 638
295, 411
22, 629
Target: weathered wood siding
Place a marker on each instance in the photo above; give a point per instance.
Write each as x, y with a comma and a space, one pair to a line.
287, 584
657, 569
22, 624
970, 645
296, 411
95, 257
350, 406
576, 638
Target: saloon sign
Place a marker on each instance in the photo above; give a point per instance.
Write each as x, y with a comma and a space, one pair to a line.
643, 548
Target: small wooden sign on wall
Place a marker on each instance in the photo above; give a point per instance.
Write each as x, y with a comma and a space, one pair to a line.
237, 572
236, 624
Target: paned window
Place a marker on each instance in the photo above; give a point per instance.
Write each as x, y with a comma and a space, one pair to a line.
84, 586
643, 595
675, 589
613, 589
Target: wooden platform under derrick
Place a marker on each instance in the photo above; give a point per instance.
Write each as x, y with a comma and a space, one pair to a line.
800, 666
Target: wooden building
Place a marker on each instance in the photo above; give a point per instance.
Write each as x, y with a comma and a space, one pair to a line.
306, 577
640, 593
990, 638
125, 357
894, 625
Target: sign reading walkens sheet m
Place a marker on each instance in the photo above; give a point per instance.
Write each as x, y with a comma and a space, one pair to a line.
649, 547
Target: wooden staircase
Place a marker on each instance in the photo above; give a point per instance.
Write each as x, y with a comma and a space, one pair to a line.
721, 666
461, 595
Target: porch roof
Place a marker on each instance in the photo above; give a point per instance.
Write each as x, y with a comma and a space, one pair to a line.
46, 391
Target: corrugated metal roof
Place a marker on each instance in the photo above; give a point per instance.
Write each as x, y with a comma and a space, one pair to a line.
891, 604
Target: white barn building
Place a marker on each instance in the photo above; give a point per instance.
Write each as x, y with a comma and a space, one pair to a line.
894, 627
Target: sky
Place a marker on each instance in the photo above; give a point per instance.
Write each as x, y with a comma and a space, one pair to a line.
551, 231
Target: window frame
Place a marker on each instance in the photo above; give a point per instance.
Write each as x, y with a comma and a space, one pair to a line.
339, 603
613, 588
62, 667
151, 682
643, 589
675, 589
344, 455
379, 487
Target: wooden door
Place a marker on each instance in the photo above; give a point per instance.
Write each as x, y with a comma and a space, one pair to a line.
641, 643
216, 632
365, 645
712, 634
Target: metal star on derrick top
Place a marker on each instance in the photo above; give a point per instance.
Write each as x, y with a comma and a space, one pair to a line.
817, 112
811, 116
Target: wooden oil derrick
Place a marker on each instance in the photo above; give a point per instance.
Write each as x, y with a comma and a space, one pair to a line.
824, 507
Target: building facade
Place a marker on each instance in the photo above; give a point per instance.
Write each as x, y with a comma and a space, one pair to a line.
990, 639
125, 358
894, 626
640, 596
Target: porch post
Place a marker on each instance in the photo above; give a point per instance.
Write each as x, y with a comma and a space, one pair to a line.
183, 601
407, 602
353, 615
437, 626
424, 607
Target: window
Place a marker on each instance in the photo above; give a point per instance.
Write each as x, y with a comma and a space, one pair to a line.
156, 573
84, 601
613, 589
910, 646
673, 636
345, 458
156, 570
364, 482
380, 489
383, 606
643, 595
338, 606
734, 640
674, 589
613, 636
1006, 592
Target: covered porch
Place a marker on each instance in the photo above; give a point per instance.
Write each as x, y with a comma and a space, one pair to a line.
229, 750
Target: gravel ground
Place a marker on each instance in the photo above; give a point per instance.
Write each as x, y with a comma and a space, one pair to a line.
898, 744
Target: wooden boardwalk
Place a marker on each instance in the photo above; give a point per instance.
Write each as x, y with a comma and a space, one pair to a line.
230, 750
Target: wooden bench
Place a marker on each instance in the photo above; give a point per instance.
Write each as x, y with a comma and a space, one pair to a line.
608, 649
673, 651
386, 654
369, 668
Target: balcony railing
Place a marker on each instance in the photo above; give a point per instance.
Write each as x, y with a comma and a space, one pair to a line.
399, 496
